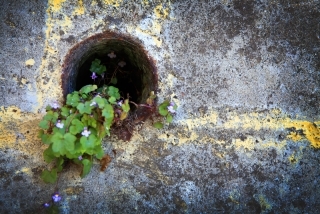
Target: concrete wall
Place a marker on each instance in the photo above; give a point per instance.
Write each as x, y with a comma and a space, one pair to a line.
246, 77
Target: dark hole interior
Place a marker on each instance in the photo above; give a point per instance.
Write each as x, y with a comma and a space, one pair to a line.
136, 78
129, 77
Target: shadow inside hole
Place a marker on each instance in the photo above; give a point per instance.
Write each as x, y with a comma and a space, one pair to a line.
137, 78
129, 79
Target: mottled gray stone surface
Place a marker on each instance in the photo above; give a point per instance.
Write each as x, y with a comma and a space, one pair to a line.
246, 76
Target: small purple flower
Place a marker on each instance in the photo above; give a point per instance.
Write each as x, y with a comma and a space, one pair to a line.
112, 55
122, 64
93, 76
120, 103
56, 197
80, 157
55, 105
171, 108
85, 132
46, 205
59, 124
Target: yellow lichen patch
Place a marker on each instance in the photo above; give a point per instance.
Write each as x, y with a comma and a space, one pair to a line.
294, 136
7, 137
253, 120
310, 130
73, 190
56, 4
30, 62
248, 143
209, 119
18, 130
292, 159
296, 156
115, 3
161, 12
24, 81
145, 2
157, 41
25, 170
48, 80
80, 9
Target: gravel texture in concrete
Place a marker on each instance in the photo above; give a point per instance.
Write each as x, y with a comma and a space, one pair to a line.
246, 77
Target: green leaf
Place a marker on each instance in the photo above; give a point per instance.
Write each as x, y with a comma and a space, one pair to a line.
163, 108
96, 67
114, 80
85, 108
87, 164
113, 92
69, 140
48, 108
76, 127
49, 176
59, 164
88, 142
48, 155
44, 124
125, 106
57, 140
73, 99
89, 120
99, 152
87, 89
100, 101
112, 100
106, 126
45, 138
158, 125
108, 111
169, 118
65, 111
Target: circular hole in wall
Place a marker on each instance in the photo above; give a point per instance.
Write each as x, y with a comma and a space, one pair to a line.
125, 59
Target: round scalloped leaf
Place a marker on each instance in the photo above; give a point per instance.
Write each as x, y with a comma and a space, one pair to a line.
69, 140
113, 92
49, 176
88, 88
73, 99
169, 118
88, 142
48, 155
163, 108
76, 127
85, 107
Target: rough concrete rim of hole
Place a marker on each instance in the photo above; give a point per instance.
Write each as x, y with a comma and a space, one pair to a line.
84, 49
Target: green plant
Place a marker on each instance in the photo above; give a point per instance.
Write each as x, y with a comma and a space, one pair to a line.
166, 109
75, 131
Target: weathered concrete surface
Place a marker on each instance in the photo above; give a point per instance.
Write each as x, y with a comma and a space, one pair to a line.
246, 76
